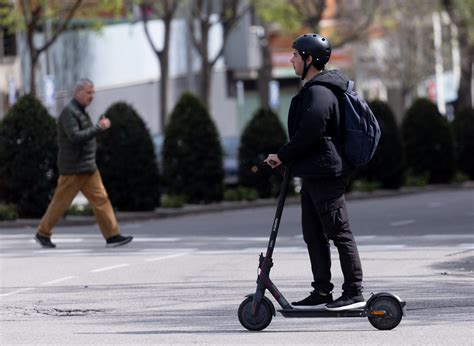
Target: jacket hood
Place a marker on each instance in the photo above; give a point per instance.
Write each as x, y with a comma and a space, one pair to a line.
333, 78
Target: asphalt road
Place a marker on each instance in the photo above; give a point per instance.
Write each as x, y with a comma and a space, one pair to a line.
182, 279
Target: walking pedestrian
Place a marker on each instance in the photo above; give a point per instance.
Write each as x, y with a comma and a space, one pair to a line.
78, 170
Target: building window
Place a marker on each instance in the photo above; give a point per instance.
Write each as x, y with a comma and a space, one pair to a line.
7, 43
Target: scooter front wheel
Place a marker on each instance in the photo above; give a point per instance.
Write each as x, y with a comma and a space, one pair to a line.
261, 320
385, 313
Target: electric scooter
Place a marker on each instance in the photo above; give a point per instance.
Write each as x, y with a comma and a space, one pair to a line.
384, 310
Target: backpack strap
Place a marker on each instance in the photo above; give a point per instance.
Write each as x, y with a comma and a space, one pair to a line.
350, 86
340, 118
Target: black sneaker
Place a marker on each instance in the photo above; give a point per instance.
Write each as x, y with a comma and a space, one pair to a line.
314, 298
346, 302
118, 240
44, 241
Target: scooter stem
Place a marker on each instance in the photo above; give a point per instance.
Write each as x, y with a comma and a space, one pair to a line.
265, 263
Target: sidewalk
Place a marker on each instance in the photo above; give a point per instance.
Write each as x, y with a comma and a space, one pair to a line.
160, 213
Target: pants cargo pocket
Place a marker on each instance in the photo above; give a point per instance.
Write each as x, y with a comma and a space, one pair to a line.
333, 217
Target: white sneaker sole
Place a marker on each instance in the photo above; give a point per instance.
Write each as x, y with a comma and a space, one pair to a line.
348, 307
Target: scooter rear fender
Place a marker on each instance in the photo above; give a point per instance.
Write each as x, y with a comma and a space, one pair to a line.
388, 295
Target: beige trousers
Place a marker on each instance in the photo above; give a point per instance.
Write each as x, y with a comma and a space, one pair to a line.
90, 184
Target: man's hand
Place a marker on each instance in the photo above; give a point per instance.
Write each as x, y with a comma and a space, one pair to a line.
272, 160
104, 123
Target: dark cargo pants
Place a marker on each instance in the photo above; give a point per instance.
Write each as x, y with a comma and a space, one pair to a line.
324, 218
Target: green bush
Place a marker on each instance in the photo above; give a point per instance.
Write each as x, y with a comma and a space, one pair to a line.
463, 128
241, 193
192, 153
28, 152
247, 194
8, 212
387, 166
417, 180
429, 145
127, 161
365, 186
232, 195
172, 201
80, 210
263, 135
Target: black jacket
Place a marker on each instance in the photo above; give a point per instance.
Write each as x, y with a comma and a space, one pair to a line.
313, 118
76, 141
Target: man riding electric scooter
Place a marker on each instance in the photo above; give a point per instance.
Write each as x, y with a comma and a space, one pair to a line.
314, 152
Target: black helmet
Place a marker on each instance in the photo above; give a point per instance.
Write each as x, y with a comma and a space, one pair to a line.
316, 46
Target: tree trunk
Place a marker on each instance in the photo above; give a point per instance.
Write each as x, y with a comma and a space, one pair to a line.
164, 67
206, 85
466, 48
265, 73
464, 99
206, 74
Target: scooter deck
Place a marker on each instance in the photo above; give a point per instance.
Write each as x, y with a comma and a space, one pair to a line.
322, 312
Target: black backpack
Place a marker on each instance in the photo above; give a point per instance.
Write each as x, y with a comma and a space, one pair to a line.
359, 128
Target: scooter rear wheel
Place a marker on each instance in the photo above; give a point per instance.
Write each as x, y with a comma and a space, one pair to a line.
392, 313
261, 320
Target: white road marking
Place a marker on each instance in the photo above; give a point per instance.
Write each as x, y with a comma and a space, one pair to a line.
62, 251
466, 246
381, 247
138, 239
63, 240
17, 291
59, 280
16, 236
401, 223
166, 257
246, 239
109, 268
163, 250
283, 249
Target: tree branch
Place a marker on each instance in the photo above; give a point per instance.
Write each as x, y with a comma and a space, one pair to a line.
63, 26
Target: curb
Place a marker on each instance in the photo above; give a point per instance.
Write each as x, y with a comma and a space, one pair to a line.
161, 213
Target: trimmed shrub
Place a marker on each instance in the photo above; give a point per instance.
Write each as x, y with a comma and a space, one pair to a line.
172, 201
127, 161
240, 193
8, 212
192, 153
28, 153
80, 210
463, 128
387, 166
428, 139
263, 135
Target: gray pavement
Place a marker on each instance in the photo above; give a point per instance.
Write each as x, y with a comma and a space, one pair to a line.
181, 280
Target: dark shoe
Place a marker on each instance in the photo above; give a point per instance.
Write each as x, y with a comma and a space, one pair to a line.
118, 240
346, 302
315, 298
44, 241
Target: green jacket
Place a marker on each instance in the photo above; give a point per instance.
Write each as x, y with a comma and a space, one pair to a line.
76, 140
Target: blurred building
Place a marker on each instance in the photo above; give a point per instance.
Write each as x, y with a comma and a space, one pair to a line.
10, 70
123, 66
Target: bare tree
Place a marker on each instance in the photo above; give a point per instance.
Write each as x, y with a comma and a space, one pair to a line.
205, 14
164, 10
353, 19
461, 15
34, 14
